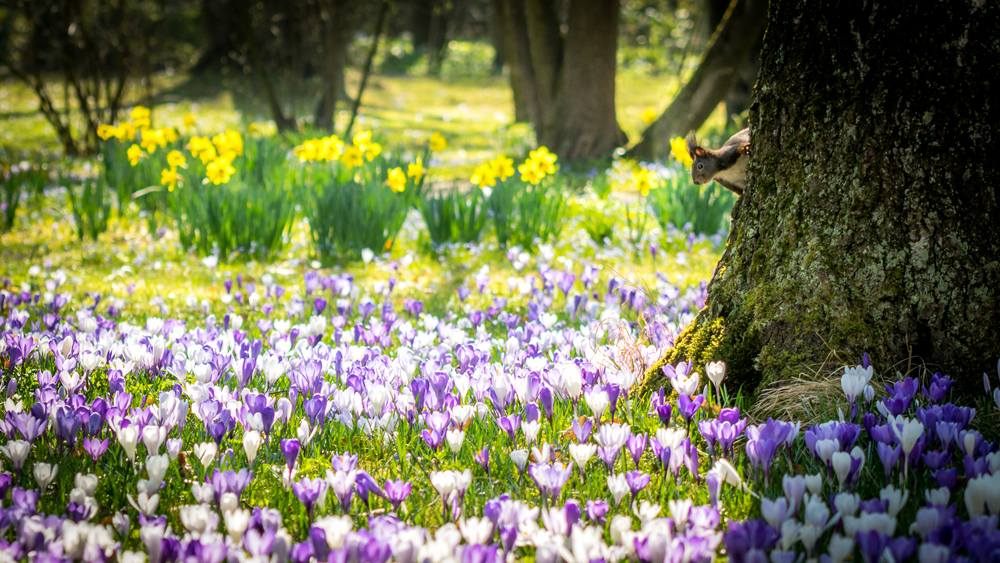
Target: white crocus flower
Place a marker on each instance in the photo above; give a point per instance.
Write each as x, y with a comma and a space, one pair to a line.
598, 401
455, 439
251, 444
128, 437
581, 454
237, 521
45, 474
618, 487
520, 458
17, 452
206, 452
156, 468
531, 430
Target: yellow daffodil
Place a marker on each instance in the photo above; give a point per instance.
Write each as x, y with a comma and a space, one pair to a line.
644, 181
169, 178
678, 147
188, 120
438, 142
544, 159
530, 172
106, 131
484, 176
202, 147
331, 147
308, 150
372, 150
152, 138
169, 134
362, 138
125, 132
140, 117
229, 144
134, 154
219, 171
416, 170
397, 180
176, 159
503, 167
352, 157
649, 115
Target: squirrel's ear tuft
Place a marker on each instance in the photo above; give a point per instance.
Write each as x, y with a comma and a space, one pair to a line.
692, 145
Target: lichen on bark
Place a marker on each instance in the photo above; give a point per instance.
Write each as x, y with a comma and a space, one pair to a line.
871, 218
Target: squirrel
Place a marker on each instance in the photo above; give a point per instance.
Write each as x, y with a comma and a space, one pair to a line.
727, 166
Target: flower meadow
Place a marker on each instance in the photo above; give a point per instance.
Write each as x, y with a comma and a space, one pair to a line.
335, 420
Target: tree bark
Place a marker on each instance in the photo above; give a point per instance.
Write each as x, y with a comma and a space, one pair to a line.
584, 123
546, 45
521, 110
337, 19
872, 209
732, 43
524, 81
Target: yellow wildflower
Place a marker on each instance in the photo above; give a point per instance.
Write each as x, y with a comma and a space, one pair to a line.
106, 131
644, 181
202, 148
152, 138
649, 115
169, 134
678, 147
352, 157
188, 120
544, 159
228, 144
169, 178
125, 132
307, 151
219, 171
416, 170
175, 159
530, 172
373, 150
331, 148
484, 176
397, 180
140, 117
134, 154
438, 142
362, 138
503, 167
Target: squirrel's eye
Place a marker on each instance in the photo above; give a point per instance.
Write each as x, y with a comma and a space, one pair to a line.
700, 166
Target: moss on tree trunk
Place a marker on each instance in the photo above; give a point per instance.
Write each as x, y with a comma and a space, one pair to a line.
872, 217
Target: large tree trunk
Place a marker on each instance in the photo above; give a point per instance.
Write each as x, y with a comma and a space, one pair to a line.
338, 19
871, 215
584, 123
732, 43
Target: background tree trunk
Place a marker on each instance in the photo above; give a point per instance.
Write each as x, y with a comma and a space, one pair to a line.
740, 29
871, 216
584, 123
338, 20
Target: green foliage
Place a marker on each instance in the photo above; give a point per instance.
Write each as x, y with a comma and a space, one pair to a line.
17, 181
598, 218
352, 209
679, 202
91, 205
523, 213
248, 215
453, 216
128, 180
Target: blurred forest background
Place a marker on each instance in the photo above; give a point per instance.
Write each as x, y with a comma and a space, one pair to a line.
583, 77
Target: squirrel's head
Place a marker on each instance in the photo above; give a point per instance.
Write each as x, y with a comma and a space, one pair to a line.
702, 169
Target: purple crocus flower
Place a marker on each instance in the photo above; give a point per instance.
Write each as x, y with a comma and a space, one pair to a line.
550, 478
308, 492
290, 449
872, 544
510, 424
636, 445
547, 400
946, 478
664, 412
95, 448
608, 456
749, 541
687, 406
940, 385
710, 432
582, 431
614, 391
889, 457
637, 481
397, 491
761, 452
596, 509
483, 459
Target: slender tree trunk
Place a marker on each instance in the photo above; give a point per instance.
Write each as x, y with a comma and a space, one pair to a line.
719, 68
545, 44
336, 18
584, 124
498, 38
521, 59
871, 215
521, 110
